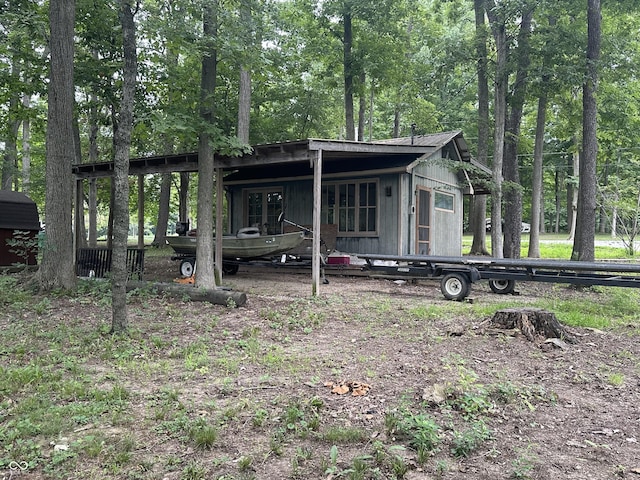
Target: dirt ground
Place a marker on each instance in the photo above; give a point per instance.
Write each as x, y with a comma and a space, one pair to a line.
372, 379
572, 413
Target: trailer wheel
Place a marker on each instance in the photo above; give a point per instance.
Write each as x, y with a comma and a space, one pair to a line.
186, 267
502, 287
455, 286
230, 268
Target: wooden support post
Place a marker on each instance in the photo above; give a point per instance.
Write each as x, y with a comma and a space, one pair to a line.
219, 214
93, 212
317, 206
140, 211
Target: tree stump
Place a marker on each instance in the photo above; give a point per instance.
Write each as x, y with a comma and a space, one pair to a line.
532, 322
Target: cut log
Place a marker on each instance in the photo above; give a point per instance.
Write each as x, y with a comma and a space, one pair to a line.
532, 322
195, 294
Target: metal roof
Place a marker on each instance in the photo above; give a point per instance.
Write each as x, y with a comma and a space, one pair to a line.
294, 155
18, 212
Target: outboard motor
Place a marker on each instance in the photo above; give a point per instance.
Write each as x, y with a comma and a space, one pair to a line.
182, 228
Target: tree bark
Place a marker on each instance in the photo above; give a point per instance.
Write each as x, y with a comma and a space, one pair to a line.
479, 244
348, 76
183, 197
81, 234
537, 192
205, 271
93, 157
572, 194
513, 194
216, 296
10, 157
362, 106
244, 92
533, 323
57, 269
26, 146
163, 211
119, 323
499, 30
244, 105
584, 242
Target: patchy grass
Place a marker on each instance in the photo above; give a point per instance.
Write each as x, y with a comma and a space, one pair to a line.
198, 391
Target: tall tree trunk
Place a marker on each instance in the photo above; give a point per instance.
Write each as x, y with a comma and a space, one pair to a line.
558, 203
572, 199
183, 197
348, 77
244, 93
362, 106
244, 105
584, 243
57, 269
82, 229
119, 322
10, 161
26, 146
205, 272
163, 211
396, 122
93, 212
536, 190
513, 194
479, 210
93, 157
499, 30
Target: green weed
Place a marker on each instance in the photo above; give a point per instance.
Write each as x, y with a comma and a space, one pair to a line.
344, 435
468, 440
203, 434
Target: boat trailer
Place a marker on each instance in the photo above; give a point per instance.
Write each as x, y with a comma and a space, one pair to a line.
457, 274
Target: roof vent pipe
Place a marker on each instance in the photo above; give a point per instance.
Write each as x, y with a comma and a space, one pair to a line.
413, 132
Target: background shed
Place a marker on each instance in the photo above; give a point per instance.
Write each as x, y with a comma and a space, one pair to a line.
18, 213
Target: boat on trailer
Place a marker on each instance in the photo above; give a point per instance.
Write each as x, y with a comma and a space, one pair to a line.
247, 244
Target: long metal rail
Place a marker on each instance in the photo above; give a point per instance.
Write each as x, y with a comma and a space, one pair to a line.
458, 273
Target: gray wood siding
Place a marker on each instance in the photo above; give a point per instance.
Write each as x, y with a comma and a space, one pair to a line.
446, 228
396, 226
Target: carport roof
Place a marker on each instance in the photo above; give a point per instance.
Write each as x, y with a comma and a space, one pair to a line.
294, 155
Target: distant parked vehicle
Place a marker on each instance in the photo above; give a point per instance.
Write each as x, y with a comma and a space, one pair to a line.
524, 228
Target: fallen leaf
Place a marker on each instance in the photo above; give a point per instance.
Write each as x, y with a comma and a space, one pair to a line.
340, 389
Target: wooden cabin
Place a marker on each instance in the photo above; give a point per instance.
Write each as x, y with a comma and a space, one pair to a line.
398, 196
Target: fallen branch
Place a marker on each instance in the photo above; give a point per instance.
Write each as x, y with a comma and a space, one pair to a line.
216, 296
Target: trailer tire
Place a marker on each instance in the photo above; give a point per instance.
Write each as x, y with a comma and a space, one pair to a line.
502, 287
186, 267
230, 268
455, 286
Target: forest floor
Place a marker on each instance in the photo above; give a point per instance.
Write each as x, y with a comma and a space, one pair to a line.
371, 379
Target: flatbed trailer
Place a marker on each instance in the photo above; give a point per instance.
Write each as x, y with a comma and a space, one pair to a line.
457, 274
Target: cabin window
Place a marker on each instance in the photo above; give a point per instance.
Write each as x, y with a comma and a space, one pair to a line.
443, 201
353, 206
262, 207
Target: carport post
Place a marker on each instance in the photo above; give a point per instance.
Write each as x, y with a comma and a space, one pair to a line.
141, 212
317, 205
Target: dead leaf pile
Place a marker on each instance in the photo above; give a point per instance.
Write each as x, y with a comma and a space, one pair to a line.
357, 389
